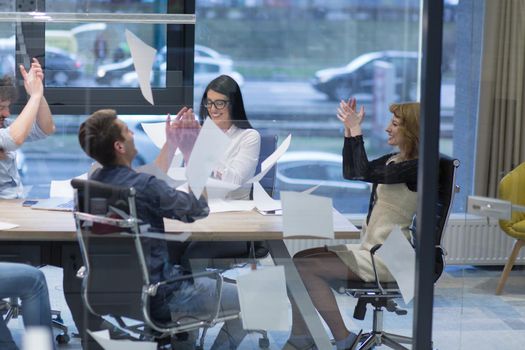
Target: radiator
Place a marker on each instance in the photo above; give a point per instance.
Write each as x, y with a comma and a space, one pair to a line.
468, 240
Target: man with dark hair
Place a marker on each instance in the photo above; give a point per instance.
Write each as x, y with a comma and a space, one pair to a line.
33, 123
108, 140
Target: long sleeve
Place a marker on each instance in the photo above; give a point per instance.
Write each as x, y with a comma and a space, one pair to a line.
241, 158
173, 204
356, 166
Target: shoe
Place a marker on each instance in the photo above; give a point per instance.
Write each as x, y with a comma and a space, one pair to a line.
356, 341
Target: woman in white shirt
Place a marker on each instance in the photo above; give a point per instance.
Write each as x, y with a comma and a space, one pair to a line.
222, 102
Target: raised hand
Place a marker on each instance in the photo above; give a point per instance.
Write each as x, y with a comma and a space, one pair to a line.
351, 118
182, 132
34, 79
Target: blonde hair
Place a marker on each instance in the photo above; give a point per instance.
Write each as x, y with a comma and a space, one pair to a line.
408, 115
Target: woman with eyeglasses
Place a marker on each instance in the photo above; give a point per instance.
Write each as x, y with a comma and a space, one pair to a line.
222, 102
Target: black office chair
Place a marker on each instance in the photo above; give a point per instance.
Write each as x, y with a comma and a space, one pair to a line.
115, 277
259, 249
254, 249
383, 294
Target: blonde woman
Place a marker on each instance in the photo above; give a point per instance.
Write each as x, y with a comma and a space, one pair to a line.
392, 203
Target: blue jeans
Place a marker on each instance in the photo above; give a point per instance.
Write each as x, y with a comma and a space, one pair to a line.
28, 284
201, 298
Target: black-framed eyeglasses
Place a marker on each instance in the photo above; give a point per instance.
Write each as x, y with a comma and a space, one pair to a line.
219, 104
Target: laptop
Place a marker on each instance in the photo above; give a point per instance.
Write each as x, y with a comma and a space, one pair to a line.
55, 203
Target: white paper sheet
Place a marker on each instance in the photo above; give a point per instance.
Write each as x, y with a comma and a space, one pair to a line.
312, 189
207, 151
177, 173
7, 225
218, 188
62, 188
218, 205
400, 259
263, 299
102, 337
263, 202
143, 56
307, 215
267, 164
156, 132
152, 169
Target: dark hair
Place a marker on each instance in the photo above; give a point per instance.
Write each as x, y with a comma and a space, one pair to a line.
8, 91
98, 133
225, 85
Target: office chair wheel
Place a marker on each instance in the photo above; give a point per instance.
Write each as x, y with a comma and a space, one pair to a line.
62, 339
264, 343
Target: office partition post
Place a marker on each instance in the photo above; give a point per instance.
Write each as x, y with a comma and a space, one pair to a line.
432, 37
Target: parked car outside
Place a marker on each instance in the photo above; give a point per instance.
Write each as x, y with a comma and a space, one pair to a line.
111, 73
208, 64
357, 77
301, 170
61, 67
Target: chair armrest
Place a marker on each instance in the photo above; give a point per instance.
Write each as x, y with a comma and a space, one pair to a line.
372, 253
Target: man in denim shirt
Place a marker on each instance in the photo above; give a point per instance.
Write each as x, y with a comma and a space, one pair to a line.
108, 140
33, 123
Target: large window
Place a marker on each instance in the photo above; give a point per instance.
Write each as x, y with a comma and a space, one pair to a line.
292, 75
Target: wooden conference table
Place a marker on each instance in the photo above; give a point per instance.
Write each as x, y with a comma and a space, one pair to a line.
42, 237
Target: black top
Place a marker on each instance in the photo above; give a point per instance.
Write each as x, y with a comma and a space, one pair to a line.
356, 166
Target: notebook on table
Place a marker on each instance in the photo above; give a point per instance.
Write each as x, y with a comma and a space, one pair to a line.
55, 203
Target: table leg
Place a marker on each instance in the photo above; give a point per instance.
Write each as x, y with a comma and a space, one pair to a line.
297, 291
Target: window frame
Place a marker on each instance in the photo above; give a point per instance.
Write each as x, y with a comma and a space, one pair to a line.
180, 42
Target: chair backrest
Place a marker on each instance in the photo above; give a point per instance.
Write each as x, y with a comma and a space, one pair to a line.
115, 268
446, 190
268, 146
512, 188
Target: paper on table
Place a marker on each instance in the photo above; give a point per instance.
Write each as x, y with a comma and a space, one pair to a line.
219, 189
267, 164
102, 337
263, 201
62, 188
143, 56
7, 225
209, 147
156, 133
307, 215
218, 205
263, 299
400, 259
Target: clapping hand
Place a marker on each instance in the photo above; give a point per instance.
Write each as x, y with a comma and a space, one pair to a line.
182, 132
351, 119
34, 79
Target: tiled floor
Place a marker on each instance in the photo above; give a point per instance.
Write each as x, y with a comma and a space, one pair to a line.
467, 314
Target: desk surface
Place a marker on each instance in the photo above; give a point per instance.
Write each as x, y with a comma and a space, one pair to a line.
38, 225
